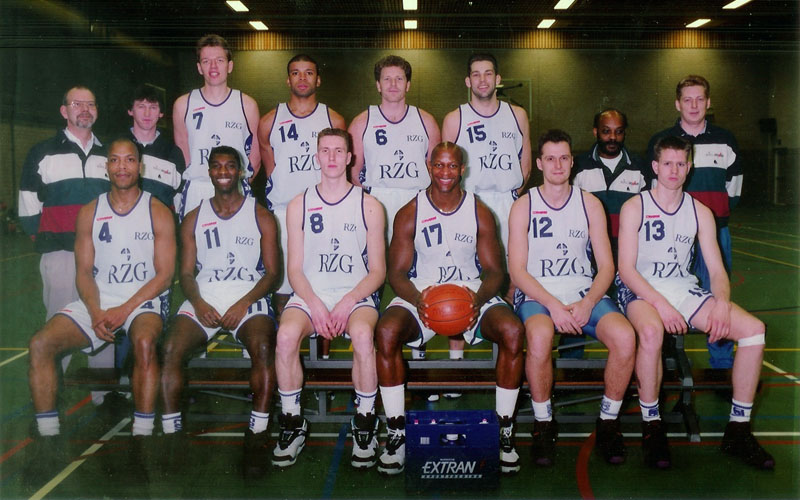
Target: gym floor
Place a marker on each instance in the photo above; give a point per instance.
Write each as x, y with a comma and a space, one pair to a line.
765, 281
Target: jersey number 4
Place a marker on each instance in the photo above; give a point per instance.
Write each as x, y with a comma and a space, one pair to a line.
105, 234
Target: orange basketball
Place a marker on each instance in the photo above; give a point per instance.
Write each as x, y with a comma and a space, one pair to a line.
449, 309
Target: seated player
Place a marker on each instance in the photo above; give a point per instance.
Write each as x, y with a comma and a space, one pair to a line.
446, 235
336, 265
125, 258
229, 263
555, 231
658, 230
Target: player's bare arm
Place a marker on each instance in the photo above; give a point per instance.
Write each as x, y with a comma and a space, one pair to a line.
179, 132
84, 277
629, 219
252, 116
337, 120
206, 314
719, 319
518, 222
489, 256
356, 130
450, 125
401, 254
434, 135
264, 129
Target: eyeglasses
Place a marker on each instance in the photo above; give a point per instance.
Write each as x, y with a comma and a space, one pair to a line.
83, 104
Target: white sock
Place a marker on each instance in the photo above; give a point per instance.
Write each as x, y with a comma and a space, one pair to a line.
740, 412
505, 401
394, 400
258, 421
650, 410
47, 423
171, 423
365, 402
290, 402
456, 353
609, 409
143, 424
543, 412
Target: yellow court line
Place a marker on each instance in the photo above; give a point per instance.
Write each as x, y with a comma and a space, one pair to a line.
214, 345
13, 348
765, 243
18, 257
782, 372
768, 231
69, 469
766, 258
12, 358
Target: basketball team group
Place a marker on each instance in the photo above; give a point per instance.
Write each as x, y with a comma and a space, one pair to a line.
390, 199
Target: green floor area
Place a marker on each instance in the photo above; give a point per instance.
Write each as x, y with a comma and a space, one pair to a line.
764, 281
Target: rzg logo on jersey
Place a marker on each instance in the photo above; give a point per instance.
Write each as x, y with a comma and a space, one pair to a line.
668, 270
127, 272
142, 235
562, 266
335, 262
399, 169
495, 161
231, 273
305, 161
450, 273
233, 125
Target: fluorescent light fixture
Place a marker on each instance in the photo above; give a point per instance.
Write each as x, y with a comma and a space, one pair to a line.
259, 25
410, 24
546, 23
564, 4
237, 6
736, 4
698, 23
409, 4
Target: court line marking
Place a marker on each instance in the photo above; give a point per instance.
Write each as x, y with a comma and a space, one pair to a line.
13, 348
69, 469
13, 358
766, 259
768, 231
519, 434
780, 371
766, 244
6, 259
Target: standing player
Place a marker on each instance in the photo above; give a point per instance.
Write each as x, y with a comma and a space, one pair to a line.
162, 159
716, 181
657, 232
287, 136
214, 115
230, 242
555, 231
446, 235
392, 141
336, 265
125, 259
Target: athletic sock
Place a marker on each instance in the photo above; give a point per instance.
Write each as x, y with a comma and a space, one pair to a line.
258, 421
543, 412
171, 423
609, 409
456, 353
650, 410
505, 401
365, 402
143, 424
740, 412
290, 402
47, 423
394, 400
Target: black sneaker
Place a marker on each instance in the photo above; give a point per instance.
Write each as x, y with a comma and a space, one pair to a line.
655, 446
509, 458
740, 442
256, 454
140, 456
365, 440
173, 453
393, 459
45, 457
291, 439
543, 448
609, 444
115, 406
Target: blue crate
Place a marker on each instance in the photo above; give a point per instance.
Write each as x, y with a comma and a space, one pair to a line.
452, 450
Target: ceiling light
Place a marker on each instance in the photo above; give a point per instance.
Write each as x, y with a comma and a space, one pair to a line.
736, 4
237, 6
258, 25
564, 4
410, 24
546, 23
409, 4
698, 23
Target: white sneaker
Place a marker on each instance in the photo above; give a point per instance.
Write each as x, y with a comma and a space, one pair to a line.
433, 397
393, 458
509, 458
291, 439
365, 440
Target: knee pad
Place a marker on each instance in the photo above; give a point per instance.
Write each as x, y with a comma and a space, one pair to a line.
753, 340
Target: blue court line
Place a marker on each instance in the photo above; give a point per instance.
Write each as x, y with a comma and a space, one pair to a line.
16, 413
336, 460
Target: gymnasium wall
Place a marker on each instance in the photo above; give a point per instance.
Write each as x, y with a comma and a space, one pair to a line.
567, 86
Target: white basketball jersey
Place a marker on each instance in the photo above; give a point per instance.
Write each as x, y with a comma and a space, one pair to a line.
228, 250
334, 241
445, 245
294, 146
395, 152
666, 241
123, 250
559, 249
211, 125
494, 147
